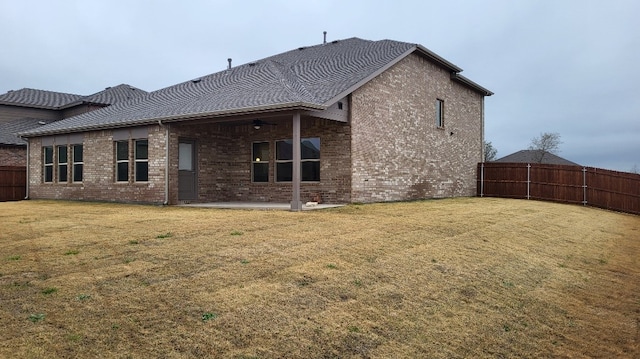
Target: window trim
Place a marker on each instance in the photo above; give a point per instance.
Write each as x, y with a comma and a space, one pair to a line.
440, 113
118, 161
261, 161
46, 164
137, 160
62, 167
302, 161
77, 164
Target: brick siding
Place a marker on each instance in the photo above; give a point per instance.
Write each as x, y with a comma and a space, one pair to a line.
390, 150
398, 152
98, 182
13, 155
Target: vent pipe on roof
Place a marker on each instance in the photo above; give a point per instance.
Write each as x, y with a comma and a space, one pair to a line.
325, 37
229, 59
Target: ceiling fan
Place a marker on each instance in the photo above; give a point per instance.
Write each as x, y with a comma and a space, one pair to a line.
257, 123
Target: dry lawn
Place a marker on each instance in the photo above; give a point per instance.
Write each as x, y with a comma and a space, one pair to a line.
456, 278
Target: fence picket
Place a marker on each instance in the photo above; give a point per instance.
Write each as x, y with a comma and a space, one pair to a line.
596, 187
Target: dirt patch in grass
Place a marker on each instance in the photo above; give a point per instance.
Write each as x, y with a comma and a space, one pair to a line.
458, 278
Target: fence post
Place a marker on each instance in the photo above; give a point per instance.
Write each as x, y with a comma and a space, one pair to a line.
528, 180
584, 186
482, 179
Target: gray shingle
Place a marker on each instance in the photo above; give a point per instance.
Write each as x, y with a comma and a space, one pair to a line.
308, 77
57, 100
532, 156
38, 98
9, 130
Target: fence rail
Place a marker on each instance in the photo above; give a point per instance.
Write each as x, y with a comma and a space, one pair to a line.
589, 186
13, 183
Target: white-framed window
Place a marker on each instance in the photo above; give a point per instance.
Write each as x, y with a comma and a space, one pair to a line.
122, 161
309, 160
260, 162
77, 163
63, 162
440, 113
141, 159
47, 161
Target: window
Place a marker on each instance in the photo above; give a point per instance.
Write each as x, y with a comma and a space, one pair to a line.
77, 163
260, 162
63, 164
310, 160
47, 153
122, 161
440, 113
141, 156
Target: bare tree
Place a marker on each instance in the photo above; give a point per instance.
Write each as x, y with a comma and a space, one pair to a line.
545, 144
490, 152
635, 169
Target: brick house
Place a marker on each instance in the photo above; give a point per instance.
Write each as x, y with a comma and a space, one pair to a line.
26, 109
341, 122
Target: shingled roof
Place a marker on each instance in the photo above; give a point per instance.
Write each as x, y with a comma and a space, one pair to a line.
38, 98
534, 156
307, 78
9, 130
52, 100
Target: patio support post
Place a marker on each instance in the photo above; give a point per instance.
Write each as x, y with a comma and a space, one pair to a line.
296, 205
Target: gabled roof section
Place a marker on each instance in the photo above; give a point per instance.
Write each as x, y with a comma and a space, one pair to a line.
307, 78
38, 98
533, 156
115, 94
51, 100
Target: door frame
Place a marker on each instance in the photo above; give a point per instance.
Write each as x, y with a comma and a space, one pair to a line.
194, 164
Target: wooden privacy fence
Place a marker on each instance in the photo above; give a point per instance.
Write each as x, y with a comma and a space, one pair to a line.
13, 183
589, 186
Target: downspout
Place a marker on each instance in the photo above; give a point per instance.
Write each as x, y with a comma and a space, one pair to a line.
166, 162
26, 189
482, 130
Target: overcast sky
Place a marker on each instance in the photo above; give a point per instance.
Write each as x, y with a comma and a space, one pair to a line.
565, 66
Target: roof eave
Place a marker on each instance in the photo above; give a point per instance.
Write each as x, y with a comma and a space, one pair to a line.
465, 81
437, 58
293, 106
18, 104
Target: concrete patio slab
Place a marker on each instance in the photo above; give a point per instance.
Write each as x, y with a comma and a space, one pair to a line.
258, 205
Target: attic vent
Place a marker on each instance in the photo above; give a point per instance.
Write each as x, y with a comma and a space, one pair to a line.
339, 105
106, 88
335, 41
196, 81
252, 64
301, 48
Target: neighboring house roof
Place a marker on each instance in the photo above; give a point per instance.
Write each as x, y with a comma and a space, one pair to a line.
38, 98
533, 156
51, 100
55, 101
307, 78
9, 130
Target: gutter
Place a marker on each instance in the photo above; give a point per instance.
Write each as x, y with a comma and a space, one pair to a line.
293, 106
465, 81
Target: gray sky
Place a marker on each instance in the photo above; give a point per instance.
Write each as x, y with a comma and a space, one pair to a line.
565, 66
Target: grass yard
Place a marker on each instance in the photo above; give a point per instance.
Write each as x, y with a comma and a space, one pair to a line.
455, 278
